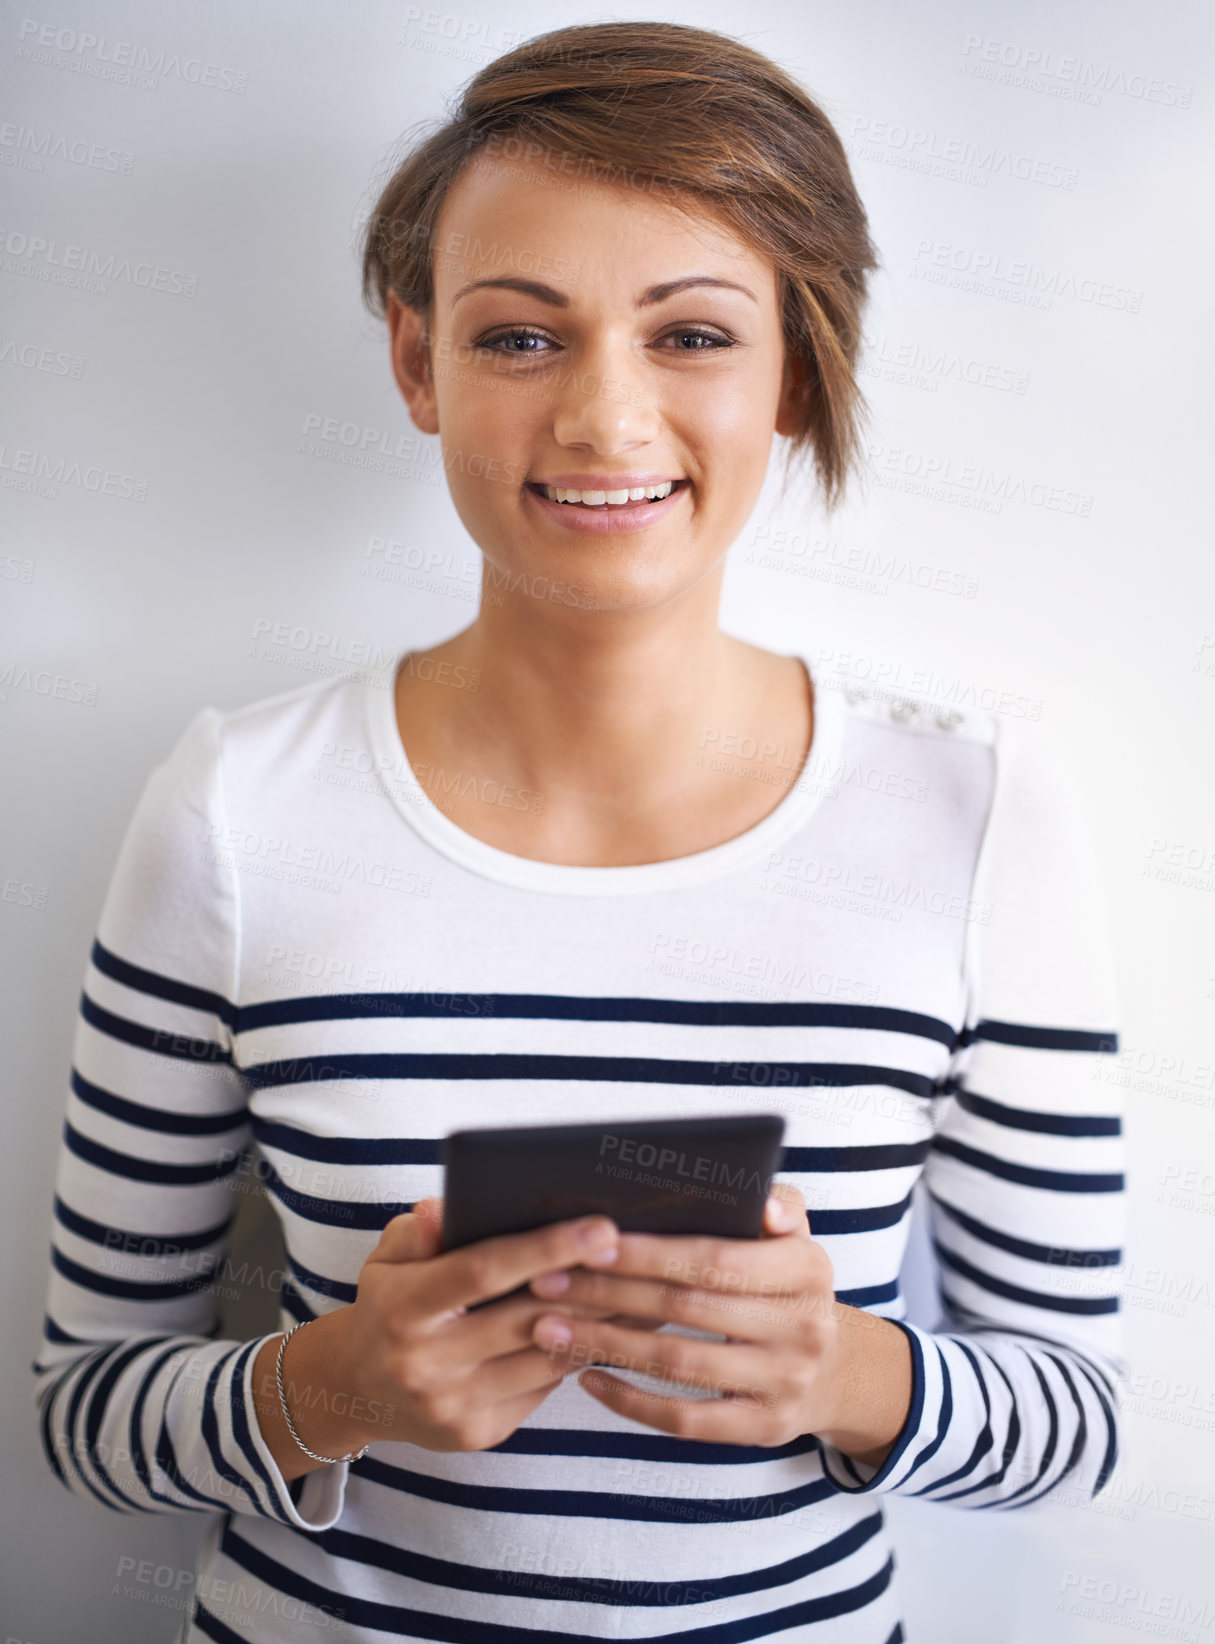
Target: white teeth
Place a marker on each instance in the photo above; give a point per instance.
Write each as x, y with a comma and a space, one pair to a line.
604, 499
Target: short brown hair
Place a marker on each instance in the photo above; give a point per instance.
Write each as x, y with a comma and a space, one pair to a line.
739, 141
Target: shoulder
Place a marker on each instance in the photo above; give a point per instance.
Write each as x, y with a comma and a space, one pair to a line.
268, 737
1021, 763
985, 773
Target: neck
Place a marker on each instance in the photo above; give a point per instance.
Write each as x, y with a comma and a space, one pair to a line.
592, 714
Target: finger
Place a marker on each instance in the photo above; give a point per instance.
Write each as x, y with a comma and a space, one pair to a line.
755, 1267
493, 1267
725, 1369
785, 1211
727, 1312
411, 1236
715, 1421
469, 1340
517, 1374
509, 1414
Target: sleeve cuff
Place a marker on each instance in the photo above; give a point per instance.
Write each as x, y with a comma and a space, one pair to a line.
918, 1438
322, 1493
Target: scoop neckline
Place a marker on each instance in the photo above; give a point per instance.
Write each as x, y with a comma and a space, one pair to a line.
414, 804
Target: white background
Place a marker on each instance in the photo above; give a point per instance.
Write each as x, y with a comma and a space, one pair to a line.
1050, 456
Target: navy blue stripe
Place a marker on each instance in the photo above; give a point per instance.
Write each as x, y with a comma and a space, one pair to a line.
339, 1290
404, 1622
374, 1216
1056, 1181
139, 1244
49, 1437
986, 1437
1016, 1292
214, 1627
166, 1457
241, 1429
864, 1219
1111, 1424
55, 1332
78, 1392
156, 1118
398, 1150
883, 1156
640, 1592
574, 1008
294, 1304
1012, 1436
943, 1420
655, 1447
212, 1437
162, 987
644, 1070
1051, 1255
980, 1324
101, 1284
346, 1213
1042, 1124
139, 1458
96, 1412
867, 1294
347, 1150
179, 1047
603, 1504
1052, 1437
1039, 1038
145, 1170
1078, 1443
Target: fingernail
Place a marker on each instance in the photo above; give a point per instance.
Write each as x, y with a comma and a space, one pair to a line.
596, 1235
550, 1284
779, 1213
601, 1257
553, 1333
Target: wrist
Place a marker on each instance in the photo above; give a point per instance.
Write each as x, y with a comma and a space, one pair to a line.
871, 1386
328, 1413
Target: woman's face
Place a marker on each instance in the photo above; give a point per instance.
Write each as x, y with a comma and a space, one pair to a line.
575, 365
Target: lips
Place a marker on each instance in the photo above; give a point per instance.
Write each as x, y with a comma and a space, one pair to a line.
607, 516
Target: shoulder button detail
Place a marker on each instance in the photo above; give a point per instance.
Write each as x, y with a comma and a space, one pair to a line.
949, 719
904, 710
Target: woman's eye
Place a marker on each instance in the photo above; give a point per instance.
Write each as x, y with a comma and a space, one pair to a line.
709, 337
707, 341
511, 336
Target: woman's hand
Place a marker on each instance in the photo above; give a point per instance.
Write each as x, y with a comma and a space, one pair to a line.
795, 1360
408, 1361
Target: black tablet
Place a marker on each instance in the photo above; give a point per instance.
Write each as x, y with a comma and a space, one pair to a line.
691, 1176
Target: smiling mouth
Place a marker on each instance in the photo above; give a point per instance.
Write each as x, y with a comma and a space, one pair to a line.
607, 501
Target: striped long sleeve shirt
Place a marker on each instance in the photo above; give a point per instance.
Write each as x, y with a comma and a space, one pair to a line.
306, 973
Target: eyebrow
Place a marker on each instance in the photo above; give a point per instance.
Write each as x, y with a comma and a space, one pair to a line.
557, 299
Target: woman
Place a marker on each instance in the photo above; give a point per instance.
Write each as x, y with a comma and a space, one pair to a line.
593, 857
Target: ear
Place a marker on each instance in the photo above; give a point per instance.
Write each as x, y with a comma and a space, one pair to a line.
792, 381
411, 366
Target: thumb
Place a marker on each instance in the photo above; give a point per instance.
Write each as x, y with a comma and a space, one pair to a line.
785, 1211
412, 1236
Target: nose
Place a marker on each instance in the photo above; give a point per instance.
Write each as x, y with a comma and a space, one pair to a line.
601, 402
